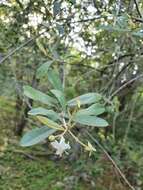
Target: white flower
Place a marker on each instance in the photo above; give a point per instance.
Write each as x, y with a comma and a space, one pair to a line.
60, 146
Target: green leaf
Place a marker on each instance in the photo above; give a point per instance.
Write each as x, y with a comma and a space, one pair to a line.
138, 33
42, 111
95, 109
88, 98
43, 69
90, 120
49, 123
60, 29
111, 28
39, 96
60, 96
54, 79
56, 8
36, 136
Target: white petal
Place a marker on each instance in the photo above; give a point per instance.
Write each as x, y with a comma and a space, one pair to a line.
55, 144
59, 152
60, 146
67, 146
62, 140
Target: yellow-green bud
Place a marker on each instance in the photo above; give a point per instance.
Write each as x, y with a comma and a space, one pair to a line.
51, 137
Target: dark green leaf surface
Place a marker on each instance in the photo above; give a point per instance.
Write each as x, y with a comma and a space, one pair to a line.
60, 96
54, 79
43, 69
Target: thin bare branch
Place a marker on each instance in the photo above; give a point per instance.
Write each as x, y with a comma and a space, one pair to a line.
112, 161
125, 85
137, 8
19, 47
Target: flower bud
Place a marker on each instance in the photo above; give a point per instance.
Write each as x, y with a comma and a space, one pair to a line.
51, 137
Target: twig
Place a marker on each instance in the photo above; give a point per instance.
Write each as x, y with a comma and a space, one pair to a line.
137, 8
34, 155
20, 47
130, 119
114, 125
28, 155
112, 161
120, 58
15, 50
125, 85
80, 21
76, 139
137, 19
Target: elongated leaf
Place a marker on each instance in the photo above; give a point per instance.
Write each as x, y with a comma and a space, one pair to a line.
54, 79
60, 96
37, 95
49, 123
41, 47
90, 120
60, 28
56, 8
138, 33
36, 136
42, 111
111, 28
95, 109
88, 98
43, 69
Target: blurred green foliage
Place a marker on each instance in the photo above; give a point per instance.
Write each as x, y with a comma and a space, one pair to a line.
96, 46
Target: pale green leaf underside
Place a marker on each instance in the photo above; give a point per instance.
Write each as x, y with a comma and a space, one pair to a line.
36, 135
95, 109
38, 96
50, 123
42, 111
90, 120
88, 98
